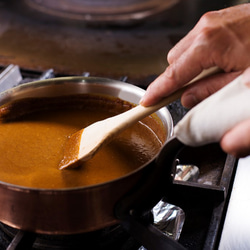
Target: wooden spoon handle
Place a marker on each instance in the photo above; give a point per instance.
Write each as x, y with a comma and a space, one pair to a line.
95, 135
177, 94
139, 112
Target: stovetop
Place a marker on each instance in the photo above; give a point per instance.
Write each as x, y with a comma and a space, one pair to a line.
203, 201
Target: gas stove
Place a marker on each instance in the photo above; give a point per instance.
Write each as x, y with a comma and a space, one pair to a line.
193, 212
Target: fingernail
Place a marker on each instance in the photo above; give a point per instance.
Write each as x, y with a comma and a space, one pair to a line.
142, 100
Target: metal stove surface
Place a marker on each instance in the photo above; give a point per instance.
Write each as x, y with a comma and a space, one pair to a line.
37, 41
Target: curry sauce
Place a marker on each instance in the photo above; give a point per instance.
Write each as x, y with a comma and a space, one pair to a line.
34, 131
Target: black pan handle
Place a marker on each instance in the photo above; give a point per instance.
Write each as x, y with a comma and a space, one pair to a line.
154, 184
131, 208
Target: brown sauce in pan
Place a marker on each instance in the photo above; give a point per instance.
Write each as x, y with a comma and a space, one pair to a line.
33, 132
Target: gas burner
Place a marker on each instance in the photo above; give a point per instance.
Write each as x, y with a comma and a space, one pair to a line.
111, 11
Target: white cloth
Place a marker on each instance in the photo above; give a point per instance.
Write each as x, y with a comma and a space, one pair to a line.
210, 119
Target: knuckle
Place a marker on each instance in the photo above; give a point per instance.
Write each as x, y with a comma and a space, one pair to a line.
209, 17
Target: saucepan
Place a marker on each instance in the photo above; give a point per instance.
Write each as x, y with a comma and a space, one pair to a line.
127, 199
82, 209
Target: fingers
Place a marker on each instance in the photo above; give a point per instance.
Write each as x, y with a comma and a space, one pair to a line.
168, 82
237, 141
159, 88
199, 91
181, 46
220, 39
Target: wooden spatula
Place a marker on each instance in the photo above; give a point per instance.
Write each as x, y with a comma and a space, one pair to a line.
84, 144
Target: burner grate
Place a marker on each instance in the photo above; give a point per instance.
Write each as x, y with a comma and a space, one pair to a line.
114, 237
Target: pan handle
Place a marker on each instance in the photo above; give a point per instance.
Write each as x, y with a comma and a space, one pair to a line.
131, 208
153, 186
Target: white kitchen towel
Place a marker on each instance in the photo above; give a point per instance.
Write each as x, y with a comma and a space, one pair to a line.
209, 120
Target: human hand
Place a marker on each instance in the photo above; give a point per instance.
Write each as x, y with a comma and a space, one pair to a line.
220, 38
